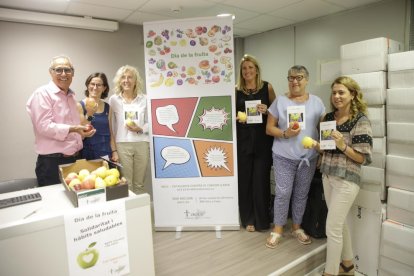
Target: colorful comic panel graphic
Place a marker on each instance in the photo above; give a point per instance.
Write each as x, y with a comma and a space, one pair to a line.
174, 158
212, 119
171, 117
215, 158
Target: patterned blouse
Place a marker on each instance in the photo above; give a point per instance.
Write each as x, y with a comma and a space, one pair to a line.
358, 135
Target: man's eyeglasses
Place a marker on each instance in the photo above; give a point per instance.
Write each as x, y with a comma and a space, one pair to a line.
60, 70
98, 85
292, 78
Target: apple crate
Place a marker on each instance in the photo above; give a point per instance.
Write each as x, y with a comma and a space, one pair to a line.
86, 197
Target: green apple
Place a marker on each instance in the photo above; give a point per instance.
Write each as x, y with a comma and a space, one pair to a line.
242, 116
111, 180
83, 174
129, 122
307, 142
114, 172
99, 183
89, 257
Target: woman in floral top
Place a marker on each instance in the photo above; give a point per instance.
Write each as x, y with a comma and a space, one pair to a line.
341, 169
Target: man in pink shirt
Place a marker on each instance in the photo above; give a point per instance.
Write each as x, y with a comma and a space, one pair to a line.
56, 122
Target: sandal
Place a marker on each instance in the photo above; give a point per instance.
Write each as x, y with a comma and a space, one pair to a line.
250, 228
273, 240
301, 236
347, 270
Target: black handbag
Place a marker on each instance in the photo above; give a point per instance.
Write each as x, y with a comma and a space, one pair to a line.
314, 218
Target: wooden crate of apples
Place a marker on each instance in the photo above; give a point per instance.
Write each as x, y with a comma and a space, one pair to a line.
86, 175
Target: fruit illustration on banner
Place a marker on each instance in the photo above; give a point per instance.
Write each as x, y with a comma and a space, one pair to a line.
89, 257
307, 142
242, 116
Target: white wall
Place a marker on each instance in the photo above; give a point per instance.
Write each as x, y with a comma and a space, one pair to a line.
315, 41
25, 54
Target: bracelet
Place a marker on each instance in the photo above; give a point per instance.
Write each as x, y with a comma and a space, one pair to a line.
284, 134
114, 151
346, 147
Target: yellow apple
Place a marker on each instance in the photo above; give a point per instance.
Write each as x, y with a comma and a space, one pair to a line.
101, 172
99, 183
111, 180
83, 174
242, 116
114, 171
75, 184
307, 142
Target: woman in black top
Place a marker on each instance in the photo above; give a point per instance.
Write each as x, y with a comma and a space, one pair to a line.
254, 147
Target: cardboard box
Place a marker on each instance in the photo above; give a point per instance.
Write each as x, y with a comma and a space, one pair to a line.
399, 172
397, 242
86, 197
390, 267
400, 139
400, 206
401, 61
365, 231
400, 105
377, 117
373, 86
401, 79
368, 55
373, 179
379, 152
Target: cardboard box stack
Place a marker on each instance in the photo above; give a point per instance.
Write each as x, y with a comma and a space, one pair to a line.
397, 252
367, 63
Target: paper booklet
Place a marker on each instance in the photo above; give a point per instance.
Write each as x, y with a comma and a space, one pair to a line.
253, 114
326, 141
296, 114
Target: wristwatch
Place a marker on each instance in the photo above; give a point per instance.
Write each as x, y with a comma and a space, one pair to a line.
90, 118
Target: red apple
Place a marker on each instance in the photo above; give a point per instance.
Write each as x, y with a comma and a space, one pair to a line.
89, 127
70, 177
295, 125
89, 182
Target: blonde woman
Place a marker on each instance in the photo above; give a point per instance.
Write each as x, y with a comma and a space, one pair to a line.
254, 147
341, 169
129, 123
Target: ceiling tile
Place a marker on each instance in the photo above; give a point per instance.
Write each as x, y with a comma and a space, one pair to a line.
264, 23
241, 15
98, 11
306, 10
187, 8
51, 6
351, 3
140, 17
121, 4
261, 6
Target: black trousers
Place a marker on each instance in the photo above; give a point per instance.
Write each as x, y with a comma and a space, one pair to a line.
47, 168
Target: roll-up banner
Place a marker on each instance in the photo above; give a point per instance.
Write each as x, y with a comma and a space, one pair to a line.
190, 82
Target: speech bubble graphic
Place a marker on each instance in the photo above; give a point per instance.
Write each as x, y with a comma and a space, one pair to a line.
167, 116
216, 158
213, 118
174, 155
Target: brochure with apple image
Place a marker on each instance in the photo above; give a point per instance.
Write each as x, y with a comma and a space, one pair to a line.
326, 142
96, 239
296, 114
253, 114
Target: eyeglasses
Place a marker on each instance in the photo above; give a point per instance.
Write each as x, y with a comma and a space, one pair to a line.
292, 78
60, 70
98, 85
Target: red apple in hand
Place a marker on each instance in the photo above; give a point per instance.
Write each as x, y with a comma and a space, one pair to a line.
295, 125
89, 127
